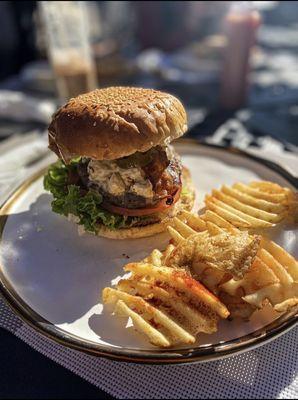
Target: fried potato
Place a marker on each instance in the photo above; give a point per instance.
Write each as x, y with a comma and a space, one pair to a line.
181, 282
283, 257
168, 251
141, 325
167, 299
238, 307
154, 258
257, 205
218, 250
238, 217
213, 268
271, 278
278, 295
193, 220
166, 305
272, 270
216, 219
161, 330
176, 236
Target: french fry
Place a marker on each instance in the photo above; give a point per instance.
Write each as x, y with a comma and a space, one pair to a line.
213, 229
154, 258
182, 228
166, 305
273, 272
259, 276
280, 272
193, 220
227, 214
176, 237
287, 305
167, 253
216, 219
257, 205
283, 257
279, 198
159, 327
245, 198
155, 337
167, 299
213, 267
236, 216
268, 279
276, 294
181, 281
247, 209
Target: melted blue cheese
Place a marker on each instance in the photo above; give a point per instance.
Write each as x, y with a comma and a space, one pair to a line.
117, 181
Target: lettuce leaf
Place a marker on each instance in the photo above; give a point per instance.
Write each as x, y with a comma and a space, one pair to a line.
70, 199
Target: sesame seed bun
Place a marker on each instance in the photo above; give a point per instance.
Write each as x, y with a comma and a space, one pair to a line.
111, 123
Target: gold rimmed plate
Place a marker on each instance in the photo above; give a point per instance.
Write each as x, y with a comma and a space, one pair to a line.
53, 278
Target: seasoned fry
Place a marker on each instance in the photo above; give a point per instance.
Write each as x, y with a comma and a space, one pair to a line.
155, 337
154, 258
229, 253
181, 281
214, 267
151, 320
190, 318
269, 278
176, 237
166, 305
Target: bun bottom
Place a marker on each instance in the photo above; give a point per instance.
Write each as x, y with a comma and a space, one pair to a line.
185, 203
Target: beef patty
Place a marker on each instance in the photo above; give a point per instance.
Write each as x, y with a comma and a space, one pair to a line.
160, 165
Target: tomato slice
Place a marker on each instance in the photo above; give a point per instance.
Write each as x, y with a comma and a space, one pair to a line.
138, 212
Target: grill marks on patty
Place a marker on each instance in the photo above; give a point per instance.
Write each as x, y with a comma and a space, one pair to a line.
162, 168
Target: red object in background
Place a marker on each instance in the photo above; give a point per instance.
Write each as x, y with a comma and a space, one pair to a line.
241, 25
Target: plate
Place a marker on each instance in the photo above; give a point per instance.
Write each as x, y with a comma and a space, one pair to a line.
53, 278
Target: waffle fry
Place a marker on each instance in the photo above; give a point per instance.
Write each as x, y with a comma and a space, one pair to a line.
213, 268
253, 206
281, 268
271, 277
167, 306
216, 249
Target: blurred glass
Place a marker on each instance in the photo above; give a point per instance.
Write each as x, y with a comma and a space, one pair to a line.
112, 38
68, 47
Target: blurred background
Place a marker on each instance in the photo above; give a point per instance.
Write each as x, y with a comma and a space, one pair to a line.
233, 64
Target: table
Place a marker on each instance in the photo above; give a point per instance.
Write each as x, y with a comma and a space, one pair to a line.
272, 111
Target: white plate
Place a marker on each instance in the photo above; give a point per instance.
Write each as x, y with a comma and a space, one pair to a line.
53, 278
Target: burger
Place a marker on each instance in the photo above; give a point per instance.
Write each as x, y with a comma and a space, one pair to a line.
117, 174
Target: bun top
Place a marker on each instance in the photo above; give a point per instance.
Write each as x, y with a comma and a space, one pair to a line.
115, 122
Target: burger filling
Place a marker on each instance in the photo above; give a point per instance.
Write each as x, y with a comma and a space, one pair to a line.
131, 191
